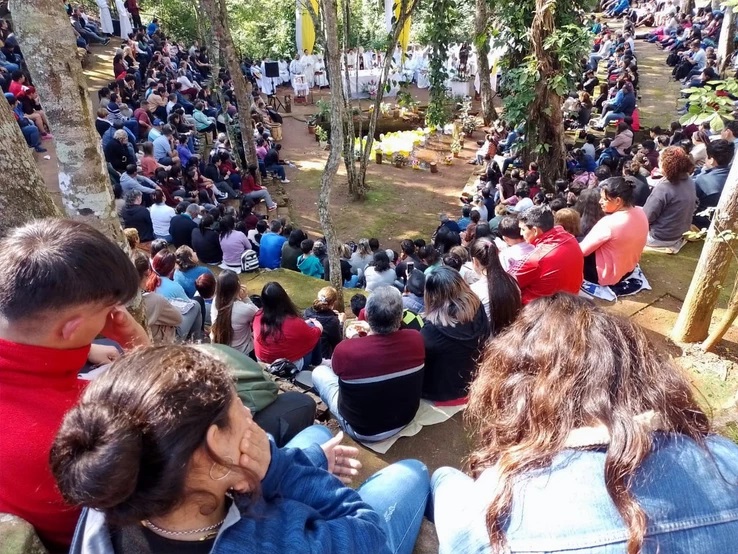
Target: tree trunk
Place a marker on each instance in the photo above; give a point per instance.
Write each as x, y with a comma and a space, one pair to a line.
338, 106
546, 122
693, 322
359, 185
726, 44
481, 18
347, 123
241, 86
23, 196
43, 29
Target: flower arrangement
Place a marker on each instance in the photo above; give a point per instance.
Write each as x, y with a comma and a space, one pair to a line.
371, 88
448, 160
415, 163
399, 159
456, 146
322, 134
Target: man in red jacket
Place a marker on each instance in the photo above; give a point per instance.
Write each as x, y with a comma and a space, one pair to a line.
556, 262
62, 283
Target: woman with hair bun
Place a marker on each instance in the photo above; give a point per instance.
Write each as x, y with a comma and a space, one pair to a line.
323, 310
672, 203
164, 457
613, 247
586, 440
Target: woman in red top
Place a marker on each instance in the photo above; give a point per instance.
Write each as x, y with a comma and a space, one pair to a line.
280, 331
254, 191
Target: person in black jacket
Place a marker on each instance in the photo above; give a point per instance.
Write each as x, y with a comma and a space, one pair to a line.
117, 153
212, 172
135, 216
323, 310
455, 331
182, 224
205, 241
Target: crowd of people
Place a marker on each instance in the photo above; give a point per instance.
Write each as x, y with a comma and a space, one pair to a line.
174, 439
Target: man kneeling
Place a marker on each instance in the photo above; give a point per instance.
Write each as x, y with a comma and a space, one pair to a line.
374, 387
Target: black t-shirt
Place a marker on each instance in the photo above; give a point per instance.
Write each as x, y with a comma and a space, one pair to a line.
137, 539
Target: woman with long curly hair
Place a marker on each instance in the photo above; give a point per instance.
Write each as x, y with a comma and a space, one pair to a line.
673, 201
587, 439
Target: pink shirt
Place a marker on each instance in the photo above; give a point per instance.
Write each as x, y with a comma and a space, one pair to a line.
617, 241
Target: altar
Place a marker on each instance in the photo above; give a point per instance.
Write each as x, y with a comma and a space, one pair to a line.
364, 80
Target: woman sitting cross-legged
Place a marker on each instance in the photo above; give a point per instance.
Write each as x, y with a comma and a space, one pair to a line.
164, 457
280, 332
232, 314
381, 273
455, 331
614, 245
233, 243
587, 440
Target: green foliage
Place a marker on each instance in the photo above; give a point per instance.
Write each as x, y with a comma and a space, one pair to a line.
569, 42
707, 105
462, 28
443, 18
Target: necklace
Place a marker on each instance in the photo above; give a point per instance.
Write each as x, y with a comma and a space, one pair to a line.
158, 529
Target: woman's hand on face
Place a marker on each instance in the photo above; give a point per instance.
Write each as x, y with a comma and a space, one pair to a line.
256, 454
342, 460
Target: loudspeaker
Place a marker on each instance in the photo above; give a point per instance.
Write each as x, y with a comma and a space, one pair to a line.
271, 69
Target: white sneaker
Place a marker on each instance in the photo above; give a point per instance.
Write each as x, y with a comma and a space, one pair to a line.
284, 181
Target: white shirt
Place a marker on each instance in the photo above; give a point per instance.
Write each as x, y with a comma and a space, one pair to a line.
481, 289
161, 214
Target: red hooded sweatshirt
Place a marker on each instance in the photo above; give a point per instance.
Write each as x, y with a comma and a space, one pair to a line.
37, 387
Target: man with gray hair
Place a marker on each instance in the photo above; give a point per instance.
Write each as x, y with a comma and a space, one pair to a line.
373, 389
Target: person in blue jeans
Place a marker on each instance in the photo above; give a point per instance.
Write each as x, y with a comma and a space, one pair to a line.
271, 163
161, 451
587, 440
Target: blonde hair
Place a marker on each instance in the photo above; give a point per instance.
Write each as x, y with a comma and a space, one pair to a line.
132, 237
326, 299
570, 220
461, 252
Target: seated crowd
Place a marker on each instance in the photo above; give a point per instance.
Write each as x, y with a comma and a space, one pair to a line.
188, 447
585, 437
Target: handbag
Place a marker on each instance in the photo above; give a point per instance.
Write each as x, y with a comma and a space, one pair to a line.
284, 369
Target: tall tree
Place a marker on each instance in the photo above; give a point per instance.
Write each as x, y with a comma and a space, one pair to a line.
357, 177
333, 61
43, 30
242, 88
545, 127
481, 42
24, 195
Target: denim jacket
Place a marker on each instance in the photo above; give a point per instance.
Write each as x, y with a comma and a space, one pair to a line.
302, 508
690, 497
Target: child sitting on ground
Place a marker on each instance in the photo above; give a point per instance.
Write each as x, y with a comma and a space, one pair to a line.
308, 263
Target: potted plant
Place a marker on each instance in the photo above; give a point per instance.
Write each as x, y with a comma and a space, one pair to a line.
322, 136
399, 159
311, 125
456, 148
324, 111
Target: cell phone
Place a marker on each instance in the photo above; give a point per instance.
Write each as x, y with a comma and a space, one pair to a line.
410, 268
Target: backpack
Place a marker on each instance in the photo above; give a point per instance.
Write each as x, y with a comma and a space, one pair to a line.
254, 389
249, 261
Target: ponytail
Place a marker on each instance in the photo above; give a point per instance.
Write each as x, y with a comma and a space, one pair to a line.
504, 294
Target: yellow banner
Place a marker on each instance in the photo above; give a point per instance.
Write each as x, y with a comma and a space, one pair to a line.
308, 29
